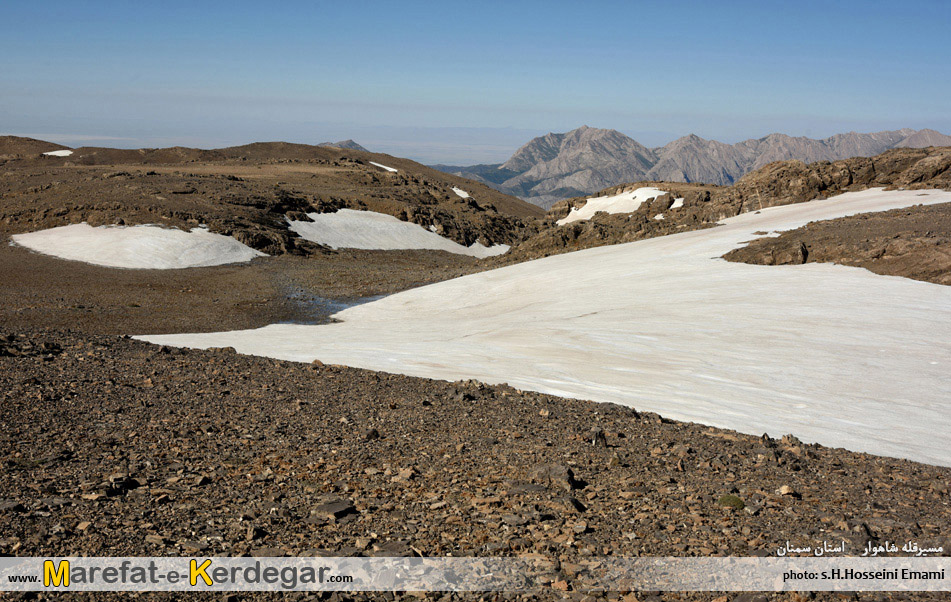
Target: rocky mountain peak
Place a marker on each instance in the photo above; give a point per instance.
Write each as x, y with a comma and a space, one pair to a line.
558, 166
347, 144
924, 138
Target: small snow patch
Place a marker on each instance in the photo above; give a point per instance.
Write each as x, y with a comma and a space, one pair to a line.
462, 193
59, 153
351, 229
626, 202
384, 167
678, 203
138, 247
478, 249
659, 216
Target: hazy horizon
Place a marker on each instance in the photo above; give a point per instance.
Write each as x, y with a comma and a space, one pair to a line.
445, 146
460, 84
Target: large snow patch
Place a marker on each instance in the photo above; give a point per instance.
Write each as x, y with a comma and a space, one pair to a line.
145, 247
59, 153
625, 202
833, 354
351, 229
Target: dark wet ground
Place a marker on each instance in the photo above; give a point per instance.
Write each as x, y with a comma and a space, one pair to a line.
314, 309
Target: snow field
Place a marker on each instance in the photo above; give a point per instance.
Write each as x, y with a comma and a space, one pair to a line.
833, 354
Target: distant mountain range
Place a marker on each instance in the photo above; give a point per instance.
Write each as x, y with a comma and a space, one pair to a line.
348, 144
559, 166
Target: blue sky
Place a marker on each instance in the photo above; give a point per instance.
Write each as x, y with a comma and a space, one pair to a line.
461, 82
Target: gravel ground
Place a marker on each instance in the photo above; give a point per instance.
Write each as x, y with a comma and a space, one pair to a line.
37, 291
116, 447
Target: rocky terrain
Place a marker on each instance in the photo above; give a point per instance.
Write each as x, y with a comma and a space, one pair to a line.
779, 183
914, 243
18, 147
609, 229
558, 166
115, 447
247, 192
